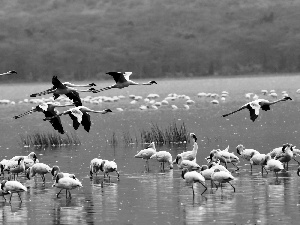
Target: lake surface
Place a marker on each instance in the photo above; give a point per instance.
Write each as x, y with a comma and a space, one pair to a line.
158, 197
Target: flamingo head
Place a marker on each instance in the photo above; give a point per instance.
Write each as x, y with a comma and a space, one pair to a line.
102, 164
239, 149
28, 173
183, 172
107, 110
178, 158
287, 98
298, 171
152, 82
204, 167
12, 72
20, 160
192, 135
3, 184
54, 170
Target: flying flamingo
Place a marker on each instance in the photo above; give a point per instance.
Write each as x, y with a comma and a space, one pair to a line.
80, 115
122, 80
65, 88
256, 105
50, 112
8, 73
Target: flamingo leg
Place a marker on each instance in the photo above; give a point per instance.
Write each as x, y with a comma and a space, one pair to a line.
293, 159
265, 169
10, 197
235, 166
4, 197
66, 193
70, 195
193, 189
58, 193
19, 196
251, 167
205, 188
232, 186
216, 185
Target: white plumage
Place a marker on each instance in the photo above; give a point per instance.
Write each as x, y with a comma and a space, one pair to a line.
15, 167
67, 183
29, 159
245, 153
108, 167
259, 159
222, 177
146, 154
12, 187
224, 156
163, 157
38, 168
188, 155
273, 165
193, 177
95, 166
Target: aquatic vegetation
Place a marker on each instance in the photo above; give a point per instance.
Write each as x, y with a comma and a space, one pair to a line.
48, 139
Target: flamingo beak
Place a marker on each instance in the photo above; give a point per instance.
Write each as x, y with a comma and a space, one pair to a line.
298, 172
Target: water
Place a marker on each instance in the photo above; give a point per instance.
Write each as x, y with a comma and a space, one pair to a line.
156, 197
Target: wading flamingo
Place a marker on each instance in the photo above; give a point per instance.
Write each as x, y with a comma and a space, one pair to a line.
193, 177
259, 159
273, 165
65, 182
256, 105
146, 154
38, 168
122, 80
13, 187
188, 155
49, 111
163, 157
108, 167
29, 159
222, 177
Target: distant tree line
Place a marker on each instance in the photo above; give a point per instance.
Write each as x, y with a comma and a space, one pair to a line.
83, 39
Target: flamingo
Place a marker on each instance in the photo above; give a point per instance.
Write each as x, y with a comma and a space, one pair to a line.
2, 193
222, 177
38, 168
259, 159
280, 150
95, 166
49, 111
146, 154
286, 155
56, 170
256, 105
192, 177
190, 165
2, 165
66, 88
12, 187
224, 156
108, 167
188, 155
206, 172
80, 115
8, 73
65, 182
163, 157
273, 165
15, 167
122, 80
246, 154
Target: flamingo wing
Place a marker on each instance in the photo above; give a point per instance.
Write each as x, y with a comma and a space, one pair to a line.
86, 121
76, 124
57, 84
56, 124
74, 96
253, 112
118, 77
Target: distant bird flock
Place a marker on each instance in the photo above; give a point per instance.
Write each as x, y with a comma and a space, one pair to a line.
276, 160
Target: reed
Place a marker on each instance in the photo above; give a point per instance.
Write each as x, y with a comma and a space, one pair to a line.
48, 139
173, 133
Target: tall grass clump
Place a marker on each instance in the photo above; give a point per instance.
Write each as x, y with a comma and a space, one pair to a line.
48, 139
174, 133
